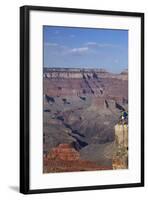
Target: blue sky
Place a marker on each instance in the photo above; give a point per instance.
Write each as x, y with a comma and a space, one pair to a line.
85, 48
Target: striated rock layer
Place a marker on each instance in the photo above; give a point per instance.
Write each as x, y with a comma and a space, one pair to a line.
89, 82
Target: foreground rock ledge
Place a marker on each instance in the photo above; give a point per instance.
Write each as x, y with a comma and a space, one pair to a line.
64, 158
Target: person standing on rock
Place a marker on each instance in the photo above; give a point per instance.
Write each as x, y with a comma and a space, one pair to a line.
124, 116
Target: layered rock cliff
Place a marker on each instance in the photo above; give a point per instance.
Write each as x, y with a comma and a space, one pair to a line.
82, 82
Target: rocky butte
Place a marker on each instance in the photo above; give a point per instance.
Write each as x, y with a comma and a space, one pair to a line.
80, 110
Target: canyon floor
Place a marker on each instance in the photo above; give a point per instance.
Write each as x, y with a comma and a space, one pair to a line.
80, 110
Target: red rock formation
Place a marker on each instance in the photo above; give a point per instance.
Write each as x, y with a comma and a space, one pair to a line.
65, 158
64, 152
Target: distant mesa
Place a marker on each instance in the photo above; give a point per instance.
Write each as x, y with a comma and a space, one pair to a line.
85, 73
61, 69
80, 82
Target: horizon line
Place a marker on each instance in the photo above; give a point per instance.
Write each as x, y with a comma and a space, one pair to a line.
85, 69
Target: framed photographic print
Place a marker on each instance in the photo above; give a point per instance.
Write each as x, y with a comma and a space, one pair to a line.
81, 99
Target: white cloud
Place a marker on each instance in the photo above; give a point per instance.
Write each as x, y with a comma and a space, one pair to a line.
106, 45
99, 45
90, 43
76, 51
89, 47
79, 50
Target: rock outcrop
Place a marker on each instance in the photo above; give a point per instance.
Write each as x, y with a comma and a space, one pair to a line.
63, 152
65, 158
120, 157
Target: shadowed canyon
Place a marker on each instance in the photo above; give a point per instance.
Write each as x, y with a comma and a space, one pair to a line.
80, 110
